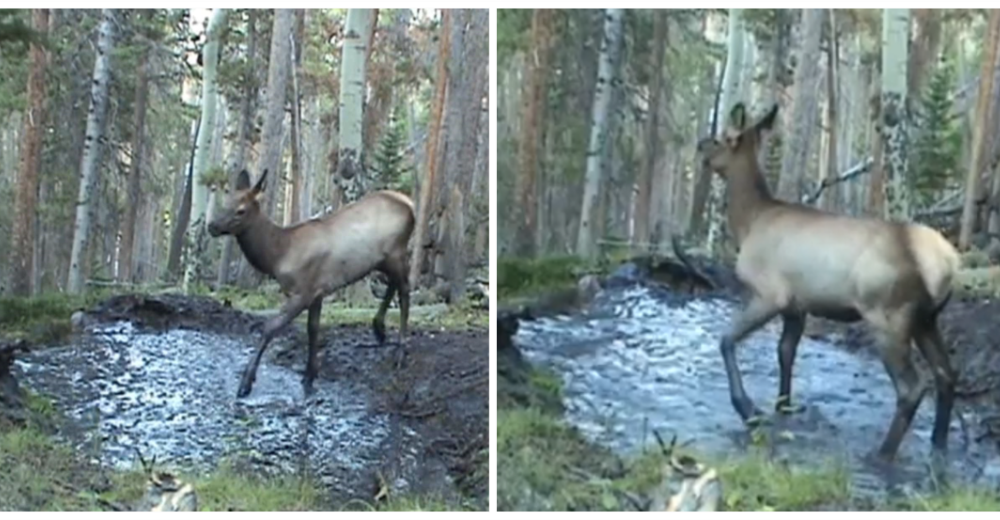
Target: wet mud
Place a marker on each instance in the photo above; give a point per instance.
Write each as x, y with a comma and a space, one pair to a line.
158, 375
643, 356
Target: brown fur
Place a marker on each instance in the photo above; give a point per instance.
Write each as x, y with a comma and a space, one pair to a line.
314, 258
799, 261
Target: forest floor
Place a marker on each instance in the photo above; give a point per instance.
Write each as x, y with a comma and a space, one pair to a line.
428, 449
546, 463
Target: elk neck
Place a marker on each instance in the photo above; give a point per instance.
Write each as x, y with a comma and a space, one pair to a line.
263, 243
747, 196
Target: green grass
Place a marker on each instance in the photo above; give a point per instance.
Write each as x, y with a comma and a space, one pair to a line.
521, 277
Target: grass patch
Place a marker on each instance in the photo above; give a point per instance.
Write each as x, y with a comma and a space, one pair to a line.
520, 277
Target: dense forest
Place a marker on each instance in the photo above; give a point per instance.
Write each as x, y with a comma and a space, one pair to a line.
748, 259
123, 129
181, 185
883, 112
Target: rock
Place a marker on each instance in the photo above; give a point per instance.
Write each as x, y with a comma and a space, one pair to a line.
12, 409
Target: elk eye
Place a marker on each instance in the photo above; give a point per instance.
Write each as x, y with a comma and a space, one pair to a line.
241, 211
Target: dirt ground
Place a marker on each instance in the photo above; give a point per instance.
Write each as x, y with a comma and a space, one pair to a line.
442, 394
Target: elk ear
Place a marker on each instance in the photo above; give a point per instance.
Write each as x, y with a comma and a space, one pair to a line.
738, 116
261, 183
243, 181
767, 122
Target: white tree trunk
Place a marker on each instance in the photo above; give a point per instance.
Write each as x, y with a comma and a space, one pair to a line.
732, 88
203, 148
895, 39
350, 156
606, 76
90, 161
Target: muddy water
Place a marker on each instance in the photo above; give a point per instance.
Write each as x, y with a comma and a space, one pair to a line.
640, 358
172, 394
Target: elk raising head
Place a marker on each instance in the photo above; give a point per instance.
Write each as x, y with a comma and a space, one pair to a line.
242, 206
739, 142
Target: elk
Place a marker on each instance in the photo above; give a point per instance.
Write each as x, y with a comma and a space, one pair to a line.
799, 261
314, 258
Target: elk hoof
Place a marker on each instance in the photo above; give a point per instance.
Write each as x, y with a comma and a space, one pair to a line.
245, 386
786, 407
378, 328
400, 358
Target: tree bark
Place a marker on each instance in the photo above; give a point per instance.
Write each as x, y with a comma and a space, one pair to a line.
646, 173
125, 259
894, 115
244, 136
830, 199
23, 245
351, 155
203, 149
90, 161
272, 135
433, 137
981, 131
607, 77
296, 137
802, 114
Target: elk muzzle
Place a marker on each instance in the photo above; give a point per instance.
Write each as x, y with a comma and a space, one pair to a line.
214, 229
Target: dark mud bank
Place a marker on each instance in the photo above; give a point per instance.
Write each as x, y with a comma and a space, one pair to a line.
643, 356
159, 375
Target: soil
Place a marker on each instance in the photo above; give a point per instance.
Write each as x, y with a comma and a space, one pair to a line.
151, 365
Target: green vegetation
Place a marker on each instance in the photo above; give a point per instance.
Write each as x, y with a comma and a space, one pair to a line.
938, 144
545, 464
527, 276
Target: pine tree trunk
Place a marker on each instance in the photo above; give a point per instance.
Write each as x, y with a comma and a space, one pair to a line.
23, 246
351, 155
606, 78
830, 199
90, 162
433, 138
802, 115
647, 172
894, 115
981, 130
244, 134
296, 137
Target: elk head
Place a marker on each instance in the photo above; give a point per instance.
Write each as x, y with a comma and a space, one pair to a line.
738, 143
241, 207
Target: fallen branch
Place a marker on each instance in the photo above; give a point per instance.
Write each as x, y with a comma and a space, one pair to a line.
852, 172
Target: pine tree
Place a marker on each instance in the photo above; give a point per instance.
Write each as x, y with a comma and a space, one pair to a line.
389, 161
938, 144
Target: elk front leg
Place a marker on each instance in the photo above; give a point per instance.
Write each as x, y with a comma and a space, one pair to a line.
292, 308
757, 313
794, 324
312, 366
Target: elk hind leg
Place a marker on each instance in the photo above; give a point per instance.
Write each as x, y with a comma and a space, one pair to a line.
292, 308
929, 341
793, 326
396, 268
312, 366
896, 332
378, 322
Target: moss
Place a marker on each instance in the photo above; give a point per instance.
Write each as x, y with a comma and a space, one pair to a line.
521, 276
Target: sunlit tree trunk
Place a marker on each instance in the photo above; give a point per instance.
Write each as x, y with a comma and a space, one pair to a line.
606, 76
203, 148
350, 157
90, 162
894, 115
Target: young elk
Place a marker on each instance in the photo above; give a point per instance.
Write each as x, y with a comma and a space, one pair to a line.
312, 259
798, 261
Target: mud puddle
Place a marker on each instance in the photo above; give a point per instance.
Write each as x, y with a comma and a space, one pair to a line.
640, 358
164, 382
